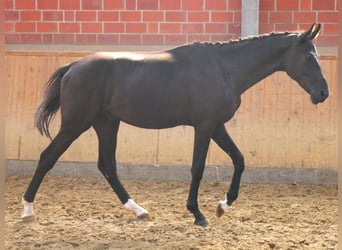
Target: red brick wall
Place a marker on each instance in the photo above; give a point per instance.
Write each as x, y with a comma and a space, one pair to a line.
156, 22
283, 15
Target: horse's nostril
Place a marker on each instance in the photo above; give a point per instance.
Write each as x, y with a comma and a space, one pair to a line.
323, 93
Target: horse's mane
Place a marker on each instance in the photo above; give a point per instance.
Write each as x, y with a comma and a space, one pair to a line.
246, 39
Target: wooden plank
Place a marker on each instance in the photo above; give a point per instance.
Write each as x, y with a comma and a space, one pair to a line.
175, 146
136, 145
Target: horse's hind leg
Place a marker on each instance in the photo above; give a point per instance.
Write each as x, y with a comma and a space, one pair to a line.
224, 141
106, 131
47, 160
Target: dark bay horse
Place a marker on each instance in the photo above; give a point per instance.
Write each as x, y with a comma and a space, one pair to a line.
197, 85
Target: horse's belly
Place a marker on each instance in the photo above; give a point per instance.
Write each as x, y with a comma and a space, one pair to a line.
154, 121
151, 115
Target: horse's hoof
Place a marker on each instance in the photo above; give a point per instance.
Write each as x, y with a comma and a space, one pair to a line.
219, 210
144, 217
28, 218
202, 222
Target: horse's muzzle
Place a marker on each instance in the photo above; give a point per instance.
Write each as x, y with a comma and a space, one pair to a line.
319, 96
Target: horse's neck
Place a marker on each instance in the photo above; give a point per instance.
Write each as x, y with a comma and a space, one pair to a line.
259, 58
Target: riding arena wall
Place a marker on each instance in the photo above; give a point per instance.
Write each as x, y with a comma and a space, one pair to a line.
276, 127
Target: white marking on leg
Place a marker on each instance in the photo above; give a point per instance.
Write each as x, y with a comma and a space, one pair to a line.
138, 210
224, 205
28, 209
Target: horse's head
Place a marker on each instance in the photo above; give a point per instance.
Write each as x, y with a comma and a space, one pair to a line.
302, 64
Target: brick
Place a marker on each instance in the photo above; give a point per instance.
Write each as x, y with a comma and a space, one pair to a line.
234, 28
215, 5
86, 38
147, 4
234, 5
12, 38
91, 4
266, 28
175, 16
330, 29
25, 27
9, 4
267, 5
237, 17
31, 38
11, 15
305, 5
108, 39
304, 17
114, 27
69, 27
63, 38
170, 28
47, 4
152, 39
304, 26
69, 15
192, 4
264, 17
25, 4
281, 17
328, 17
9, 27
31, 15
130, 16
288, 5
131, 4
191, 28
215, 28
53, 15
221, 17
136, 28
201, 16
198, 38
175, 39
70, 4
170, 5
153, 28
130, 39
108, 16
113, 4
153, 16
221, 38
47, 27
282, 27
47, 38
85, 15
91, 27
323, 4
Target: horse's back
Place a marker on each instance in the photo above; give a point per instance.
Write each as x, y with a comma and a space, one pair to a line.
151, 90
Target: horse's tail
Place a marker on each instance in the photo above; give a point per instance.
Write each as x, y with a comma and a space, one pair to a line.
51, 102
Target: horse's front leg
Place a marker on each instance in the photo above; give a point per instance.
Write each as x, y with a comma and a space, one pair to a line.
224, 141
202, 139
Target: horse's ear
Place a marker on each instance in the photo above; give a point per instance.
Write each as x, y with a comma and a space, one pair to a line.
315, 31
311, 33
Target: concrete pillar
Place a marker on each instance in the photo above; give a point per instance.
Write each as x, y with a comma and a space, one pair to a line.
250, 18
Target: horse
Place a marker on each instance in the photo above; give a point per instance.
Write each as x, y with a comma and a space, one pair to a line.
198, 85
